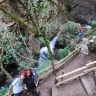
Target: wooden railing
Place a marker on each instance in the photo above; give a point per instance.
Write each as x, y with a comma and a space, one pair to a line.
57, 65
78, 72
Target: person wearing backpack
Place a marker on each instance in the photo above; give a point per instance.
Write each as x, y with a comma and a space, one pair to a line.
80, 34
17, 85
28, 82
35, 78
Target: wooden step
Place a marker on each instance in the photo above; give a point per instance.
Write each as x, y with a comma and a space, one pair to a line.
54, 91
87, 86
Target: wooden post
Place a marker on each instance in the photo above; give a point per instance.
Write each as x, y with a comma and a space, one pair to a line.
54, 91
62, 77
94, 75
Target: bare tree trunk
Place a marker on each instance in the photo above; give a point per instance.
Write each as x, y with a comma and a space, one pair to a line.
1, 66
51, 55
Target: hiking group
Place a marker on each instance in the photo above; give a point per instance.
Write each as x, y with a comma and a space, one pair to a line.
28, 80
26, 84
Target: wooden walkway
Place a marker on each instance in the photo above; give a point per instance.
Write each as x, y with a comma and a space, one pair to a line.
81, 73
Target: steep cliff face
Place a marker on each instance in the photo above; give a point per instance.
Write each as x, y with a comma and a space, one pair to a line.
82, 11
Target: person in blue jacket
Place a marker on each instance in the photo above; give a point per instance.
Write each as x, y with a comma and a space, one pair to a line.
80, 34
36, 82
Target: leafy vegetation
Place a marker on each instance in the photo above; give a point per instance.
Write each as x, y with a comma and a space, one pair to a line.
3, 91
32, 16
43, 65
64, 52
37, 17
70, 30
93, 32
10, 45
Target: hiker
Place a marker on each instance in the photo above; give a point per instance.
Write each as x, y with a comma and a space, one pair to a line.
35, 78
17, 85
28, 82
79, 35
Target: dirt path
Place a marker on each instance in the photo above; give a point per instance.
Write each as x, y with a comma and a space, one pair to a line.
72, 88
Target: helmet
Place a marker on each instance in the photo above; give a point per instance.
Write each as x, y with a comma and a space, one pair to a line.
22, 73
80, 28
33, 71
28, 71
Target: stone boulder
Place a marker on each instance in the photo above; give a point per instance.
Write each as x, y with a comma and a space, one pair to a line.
67, 32
92, 43
82, 11
34, 44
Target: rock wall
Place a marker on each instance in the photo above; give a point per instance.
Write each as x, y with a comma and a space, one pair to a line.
34, 44
82, 11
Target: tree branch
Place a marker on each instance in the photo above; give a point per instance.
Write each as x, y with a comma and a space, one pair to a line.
2, 1
23, 57
31, 17
55, 4
1, 66
49, 50
7, 74
54, 17
18, 21
26, 47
